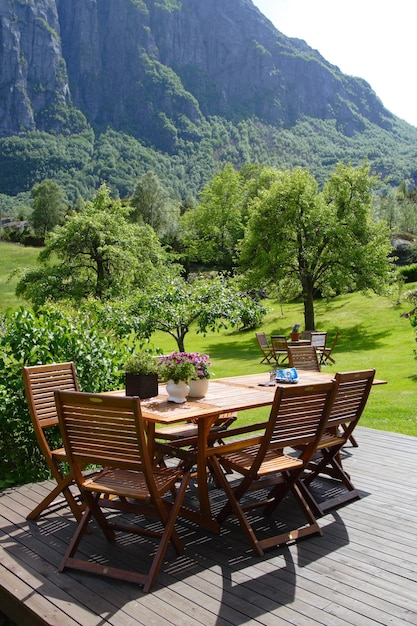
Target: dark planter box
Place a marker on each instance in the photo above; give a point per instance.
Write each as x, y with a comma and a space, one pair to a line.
142, 385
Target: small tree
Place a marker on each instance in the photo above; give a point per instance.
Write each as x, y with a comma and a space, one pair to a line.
49, 206
153, 206
210, 304
100, 254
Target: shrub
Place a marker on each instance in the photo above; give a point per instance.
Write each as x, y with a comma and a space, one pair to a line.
409, 273
47, 336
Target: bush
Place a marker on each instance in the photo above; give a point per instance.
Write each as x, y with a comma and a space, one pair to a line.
409, 273
47, 336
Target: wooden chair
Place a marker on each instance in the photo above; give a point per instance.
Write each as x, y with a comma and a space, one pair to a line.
40, 381
318, 340
108, 431
297, 418
352, 392
305, 335
304, 358
280, 348
326, 355
268, 355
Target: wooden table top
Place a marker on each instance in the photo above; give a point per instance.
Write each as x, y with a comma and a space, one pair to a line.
229, 394
235, 393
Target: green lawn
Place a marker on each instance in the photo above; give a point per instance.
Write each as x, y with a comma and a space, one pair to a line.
372, 334
13, 256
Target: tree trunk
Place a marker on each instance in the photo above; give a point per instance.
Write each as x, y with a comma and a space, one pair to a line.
309, 321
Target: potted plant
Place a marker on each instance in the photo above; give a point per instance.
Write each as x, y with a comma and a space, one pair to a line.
177, 369
295, 333
141, 375
199, 381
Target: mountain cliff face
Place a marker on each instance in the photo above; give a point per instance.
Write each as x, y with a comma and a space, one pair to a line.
156, 69
33, 79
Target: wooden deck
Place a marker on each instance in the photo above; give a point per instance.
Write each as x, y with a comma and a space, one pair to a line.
363, 570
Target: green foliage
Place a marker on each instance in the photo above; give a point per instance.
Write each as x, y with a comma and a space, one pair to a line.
49, 206
48, 336
141, 363
210, 232
408, 273
304, 241
153, 206
80, 162
100, 254
208, 304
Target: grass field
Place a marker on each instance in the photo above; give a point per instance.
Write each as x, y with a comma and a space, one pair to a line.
372, 334
13, 256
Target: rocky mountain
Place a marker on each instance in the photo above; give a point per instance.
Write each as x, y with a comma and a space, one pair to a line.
160, 71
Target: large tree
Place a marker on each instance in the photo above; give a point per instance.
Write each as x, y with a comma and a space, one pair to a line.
97, 253
306, 242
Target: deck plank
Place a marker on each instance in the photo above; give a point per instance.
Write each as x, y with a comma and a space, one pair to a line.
362, 571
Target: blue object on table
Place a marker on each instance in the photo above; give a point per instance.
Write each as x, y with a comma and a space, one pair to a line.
289, 376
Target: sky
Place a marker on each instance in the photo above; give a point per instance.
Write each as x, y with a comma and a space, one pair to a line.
369, 39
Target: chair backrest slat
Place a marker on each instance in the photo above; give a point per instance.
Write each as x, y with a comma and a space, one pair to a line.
40, 382
262, 340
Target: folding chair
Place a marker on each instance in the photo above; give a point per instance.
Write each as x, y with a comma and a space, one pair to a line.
304, 358
318, 340
108, 431
326, 355
280, 348
352, 392
40, 381
297, 418
266, 349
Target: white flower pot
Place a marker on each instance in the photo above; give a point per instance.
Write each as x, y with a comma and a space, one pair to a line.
198, 388
177, 392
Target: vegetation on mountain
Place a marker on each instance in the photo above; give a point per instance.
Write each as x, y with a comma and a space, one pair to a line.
182, 109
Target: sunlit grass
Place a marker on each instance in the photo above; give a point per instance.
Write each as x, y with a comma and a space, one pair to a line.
372, 334
13, 256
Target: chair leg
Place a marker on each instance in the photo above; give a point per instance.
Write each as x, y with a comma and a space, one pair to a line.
168, 535
61, 487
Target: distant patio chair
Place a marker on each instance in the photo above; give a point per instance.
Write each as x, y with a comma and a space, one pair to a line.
326, 354
318, 340
280, 348
266, 349
304, 358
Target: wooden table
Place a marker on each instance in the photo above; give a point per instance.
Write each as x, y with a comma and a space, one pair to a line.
237, 393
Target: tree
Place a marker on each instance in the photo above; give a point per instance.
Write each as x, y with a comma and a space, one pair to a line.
100, 254
210, 304
305, 242
49, 206
212, 230
153, 206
